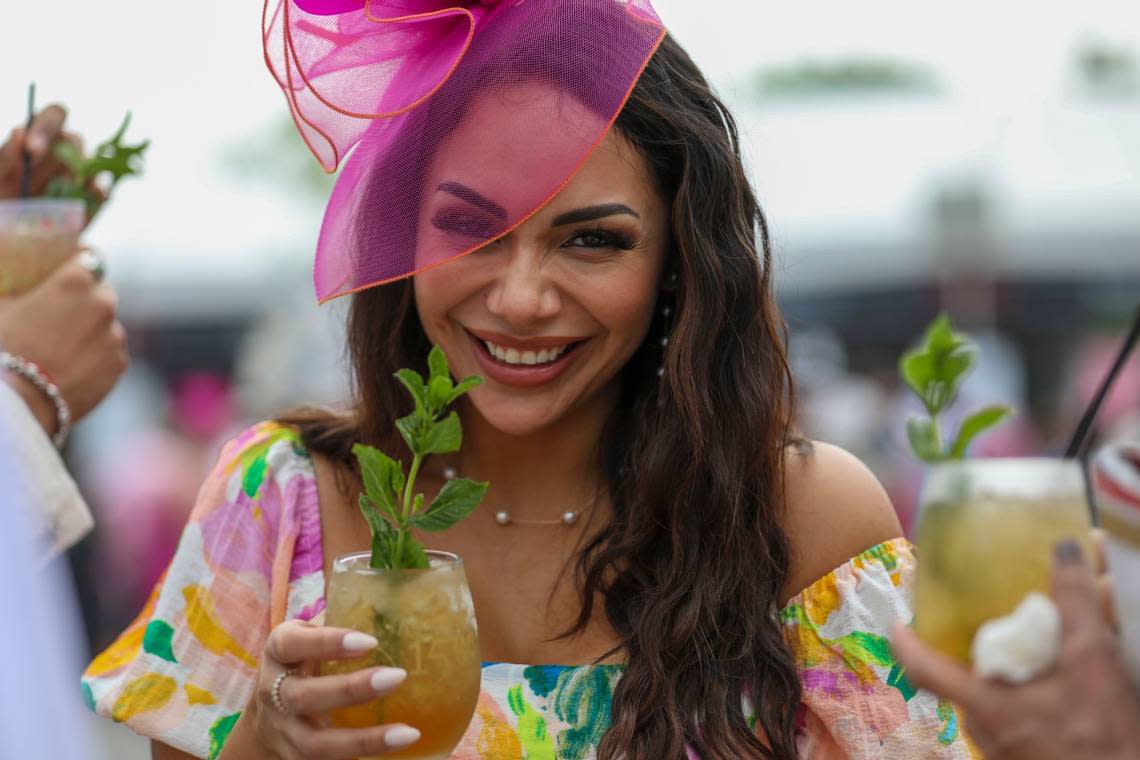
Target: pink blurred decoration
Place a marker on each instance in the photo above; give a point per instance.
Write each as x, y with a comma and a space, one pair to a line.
202, 405
1091, 367
143, 494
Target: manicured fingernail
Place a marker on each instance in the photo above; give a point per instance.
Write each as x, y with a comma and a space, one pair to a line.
1068, 552
401, 736
359, 642
388, 678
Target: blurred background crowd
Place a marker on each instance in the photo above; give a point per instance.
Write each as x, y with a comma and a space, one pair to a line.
980, 159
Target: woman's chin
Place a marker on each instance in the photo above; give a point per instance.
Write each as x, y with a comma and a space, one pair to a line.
513, 418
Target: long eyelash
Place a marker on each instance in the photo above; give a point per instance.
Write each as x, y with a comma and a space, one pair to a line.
618, 240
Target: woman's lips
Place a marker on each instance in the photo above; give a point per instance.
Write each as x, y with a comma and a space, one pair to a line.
523, 375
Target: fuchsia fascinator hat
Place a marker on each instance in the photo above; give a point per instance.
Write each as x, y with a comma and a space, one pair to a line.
463, 117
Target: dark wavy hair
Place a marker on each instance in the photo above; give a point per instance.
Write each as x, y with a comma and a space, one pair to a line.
691, 570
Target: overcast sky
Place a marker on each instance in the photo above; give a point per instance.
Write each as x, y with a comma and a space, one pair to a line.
193, 75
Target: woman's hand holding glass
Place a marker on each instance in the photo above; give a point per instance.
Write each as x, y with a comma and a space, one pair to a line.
1083, 707
47, 130
290, 701
69, 327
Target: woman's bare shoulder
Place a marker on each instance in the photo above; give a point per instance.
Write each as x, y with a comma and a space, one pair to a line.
836, 508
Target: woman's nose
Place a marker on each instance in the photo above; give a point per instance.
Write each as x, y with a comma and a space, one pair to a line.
523, 293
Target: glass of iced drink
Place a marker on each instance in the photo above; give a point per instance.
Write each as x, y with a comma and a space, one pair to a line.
986, 532
425, 622
36, 236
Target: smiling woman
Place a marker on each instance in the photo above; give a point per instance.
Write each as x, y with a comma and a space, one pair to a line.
578, 279
728, 589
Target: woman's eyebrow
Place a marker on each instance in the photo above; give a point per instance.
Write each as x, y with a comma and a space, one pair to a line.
475, 199
591, 213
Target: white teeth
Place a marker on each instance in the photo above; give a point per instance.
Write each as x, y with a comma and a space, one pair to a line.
527, 358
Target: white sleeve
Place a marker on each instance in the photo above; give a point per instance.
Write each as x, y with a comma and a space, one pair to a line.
40, 479
41, 710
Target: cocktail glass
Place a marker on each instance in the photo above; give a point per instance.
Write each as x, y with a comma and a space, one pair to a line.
425, 622
36, 236
986, 532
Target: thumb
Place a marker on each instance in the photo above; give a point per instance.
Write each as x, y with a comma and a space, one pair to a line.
46, 129
1074, 587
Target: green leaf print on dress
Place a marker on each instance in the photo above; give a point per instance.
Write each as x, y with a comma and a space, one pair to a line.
157, 640
535, 740
949, 718
583, 699
897, 679
219, 732
542, 679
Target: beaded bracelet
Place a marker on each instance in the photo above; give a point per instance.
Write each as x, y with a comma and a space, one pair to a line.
31, 372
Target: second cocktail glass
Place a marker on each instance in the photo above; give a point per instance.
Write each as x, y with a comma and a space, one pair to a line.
986, 533
36, 236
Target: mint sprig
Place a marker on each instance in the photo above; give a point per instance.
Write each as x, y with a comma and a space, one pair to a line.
935, 371
389, 502
112, 159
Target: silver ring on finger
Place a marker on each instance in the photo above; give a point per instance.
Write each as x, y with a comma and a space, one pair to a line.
275, 691
93, 263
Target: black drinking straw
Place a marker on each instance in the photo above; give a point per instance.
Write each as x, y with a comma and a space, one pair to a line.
1082, 433
26, 174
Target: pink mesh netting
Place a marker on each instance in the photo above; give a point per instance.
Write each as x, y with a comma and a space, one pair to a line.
466, 116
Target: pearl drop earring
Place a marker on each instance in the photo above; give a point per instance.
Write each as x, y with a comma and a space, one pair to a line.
666, 319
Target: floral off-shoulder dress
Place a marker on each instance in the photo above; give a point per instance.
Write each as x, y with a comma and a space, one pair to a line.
250, 558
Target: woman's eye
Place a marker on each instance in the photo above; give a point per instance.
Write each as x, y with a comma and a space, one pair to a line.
468, 225
599, 239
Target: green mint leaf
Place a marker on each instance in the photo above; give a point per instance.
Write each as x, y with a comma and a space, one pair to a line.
976, 423
118, 165
917, 370
443, 437
398, 480
924, 439
118, 136
113, 158
411, 428
437, 363
383, 478
456, 500
439, 390
936, 368
70, 157
384, 534
465, 385
414, 557
415, 385
371, 514
381, 550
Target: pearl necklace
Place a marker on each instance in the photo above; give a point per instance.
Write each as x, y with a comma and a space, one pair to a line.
504, 518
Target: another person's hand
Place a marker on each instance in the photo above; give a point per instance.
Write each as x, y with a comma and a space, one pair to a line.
1082, 708
66, 325
39, 141
290, 725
